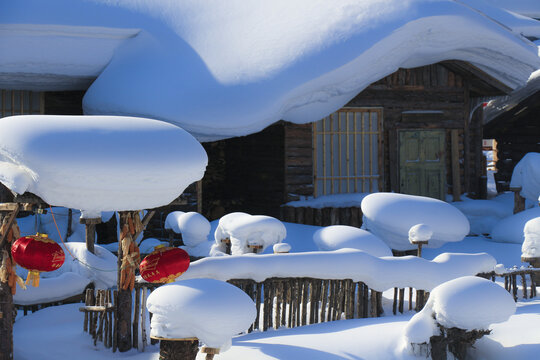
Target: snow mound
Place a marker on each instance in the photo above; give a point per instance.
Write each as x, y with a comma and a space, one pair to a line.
212, 311
97, 163
193, 226
483, 215
510, 229
526, 175
99, 268
390, 217
342, 236
281, 248
531, 244
378, 273
52, 289
469, 303
254, 230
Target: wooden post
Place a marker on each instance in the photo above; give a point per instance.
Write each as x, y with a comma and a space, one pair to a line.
123, 306
178, 349
519, 201
6, 305
210, 352
456, 178
90, 225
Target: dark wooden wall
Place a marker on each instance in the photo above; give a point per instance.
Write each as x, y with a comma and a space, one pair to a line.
517, 132
298, 161
245, 174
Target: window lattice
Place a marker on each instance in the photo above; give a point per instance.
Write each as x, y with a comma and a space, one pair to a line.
20, 102
347, 151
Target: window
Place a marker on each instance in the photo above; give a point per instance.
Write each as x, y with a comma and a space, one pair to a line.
348, 152
19, 102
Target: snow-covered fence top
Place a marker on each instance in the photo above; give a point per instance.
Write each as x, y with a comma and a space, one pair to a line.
378, 273
98, 163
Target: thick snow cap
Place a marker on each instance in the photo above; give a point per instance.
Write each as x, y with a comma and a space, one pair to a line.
469, 303
222, 69
193, 226
212, 311
342, 236
526, 175
390, 216
243, 229
511, 229
531, 244
98, 163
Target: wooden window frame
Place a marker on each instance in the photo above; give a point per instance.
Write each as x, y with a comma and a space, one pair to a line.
25, 100
358, 176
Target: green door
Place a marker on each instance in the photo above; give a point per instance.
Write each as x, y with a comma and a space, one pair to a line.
421, 163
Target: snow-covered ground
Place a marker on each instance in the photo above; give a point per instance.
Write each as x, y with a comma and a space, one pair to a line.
56, 332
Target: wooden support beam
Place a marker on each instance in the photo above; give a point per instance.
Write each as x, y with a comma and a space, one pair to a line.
519, 201
456, 179
90, 232
6, 309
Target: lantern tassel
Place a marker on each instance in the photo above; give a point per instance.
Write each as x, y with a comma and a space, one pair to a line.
33, 276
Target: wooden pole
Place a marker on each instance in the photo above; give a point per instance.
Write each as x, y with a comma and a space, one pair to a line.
6, 303
519, 201
90, 233
123, 305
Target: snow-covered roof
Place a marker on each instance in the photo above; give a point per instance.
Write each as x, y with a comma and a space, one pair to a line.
529, 8
502, 104
222, 69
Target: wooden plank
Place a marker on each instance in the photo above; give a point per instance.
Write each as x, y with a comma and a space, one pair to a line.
456, 182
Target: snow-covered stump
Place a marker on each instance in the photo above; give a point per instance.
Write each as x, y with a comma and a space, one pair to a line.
281, 248
530, 250
458, 313
419, 235
208, 310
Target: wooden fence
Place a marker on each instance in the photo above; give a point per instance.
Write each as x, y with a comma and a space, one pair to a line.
285, 302
322, 217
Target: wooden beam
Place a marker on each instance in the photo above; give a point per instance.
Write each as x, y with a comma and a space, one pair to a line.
12, 206
456, 179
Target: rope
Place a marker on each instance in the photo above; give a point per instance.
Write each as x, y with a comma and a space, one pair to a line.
73, 256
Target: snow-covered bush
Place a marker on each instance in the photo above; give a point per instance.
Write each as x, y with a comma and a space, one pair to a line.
342, 236
531, 244
457, 313
390, 217
212, 311
243, 230
526, 175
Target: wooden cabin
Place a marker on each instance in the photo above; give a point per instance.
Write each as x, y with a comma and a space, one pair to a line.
417, 131
516, 131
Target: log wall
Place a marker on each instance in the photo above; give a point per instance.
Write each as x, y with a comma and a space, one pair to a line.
322, 217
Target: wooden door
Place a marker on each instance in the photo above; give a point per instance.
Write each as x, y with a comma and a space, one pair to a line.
421, 163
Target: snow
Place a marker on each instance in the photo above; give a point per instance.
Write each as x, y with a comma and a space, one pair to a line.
97, 163
147, 245
193, 226
531, 244
510, 229
378, 273
526, 175
469, 303
529, 8
420, 232
245, 230
334, 200
390, 217
342, 236
281, 248
483, 215
52, 289
210, 310
258, 62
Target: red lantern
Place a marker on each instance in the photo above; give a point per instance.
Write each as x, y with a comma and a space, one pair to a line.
37, 253
164, 264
